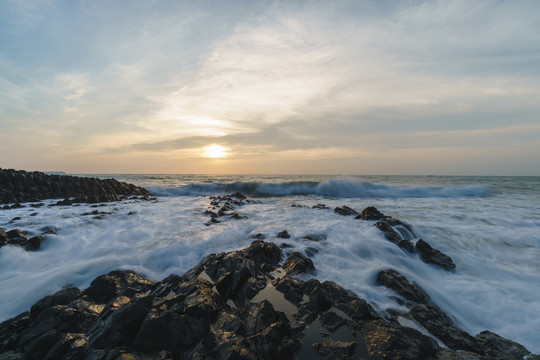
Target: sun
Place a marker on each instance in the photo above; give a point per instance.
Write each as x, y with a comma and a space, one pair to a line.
215, 151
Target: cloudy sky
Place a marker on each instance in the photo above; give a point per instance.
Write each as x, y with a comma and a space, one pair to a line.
249, 86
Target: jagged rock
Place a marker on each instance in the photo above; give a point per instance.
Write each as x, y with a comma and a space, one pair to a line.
320, 207
433, 256
283, 235
371, 213
106, 287
297, 264
230, 306
389, 341
337, 350
399, 283
440, 325
345, 211
388, 231
17, 237
495, 346
407, 245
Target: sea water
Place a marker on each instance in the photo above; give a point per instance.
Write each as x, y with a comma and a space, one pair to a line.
489, 226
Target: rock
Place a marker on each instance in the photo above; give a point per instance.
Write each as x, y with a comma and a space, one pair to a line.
390, 341
314, 237
105, 287
407, 245
371, 213
337, 350
297, 264
440, 325
433, 256
34, 243
311, 251
22, 186
320, 207
495, 346
389, 232
345, 211
230, 306
283, 235
397, 282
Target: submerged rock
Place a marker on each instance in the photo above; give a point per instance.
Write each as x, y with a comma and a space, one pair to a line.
17, 237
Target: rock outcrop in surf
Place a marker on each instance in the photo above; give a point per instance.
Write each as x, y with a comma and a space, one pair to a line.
17, 186
237, 305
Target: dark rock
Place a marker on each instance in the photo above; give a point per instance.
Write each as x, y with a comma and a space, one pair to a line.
320, 207
388, 231
105, 287
407, 245
16, 218
495, 346
371, 213
345, 211
397, 282
283, 235
22, 186
34, 243
297, 264
440, 325
311, 251
285, 245
390, 341
209, 313
314, 237
257, 236
337, 350
433, 256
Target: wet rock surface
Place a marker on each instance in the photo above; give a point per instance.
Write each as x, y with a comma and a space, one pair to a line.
397, 282
18, 186
224, 207
433, 256
17, 237
236, 305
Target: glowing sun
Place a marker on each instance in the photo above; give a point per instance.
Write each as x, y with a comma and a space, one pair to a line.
215, 151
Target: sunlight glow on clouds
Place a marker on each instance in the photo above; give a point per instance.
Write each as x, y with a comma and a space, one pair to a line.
346, 83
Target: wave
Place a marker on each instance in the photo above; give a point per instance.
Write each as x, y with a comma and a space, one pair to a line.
338, 188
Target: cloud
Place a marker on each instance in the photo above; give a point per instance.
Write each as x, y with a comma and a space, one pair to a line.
270, 78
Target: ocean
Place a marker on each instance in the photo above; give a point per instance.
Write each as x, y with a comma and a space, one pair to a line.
489, 226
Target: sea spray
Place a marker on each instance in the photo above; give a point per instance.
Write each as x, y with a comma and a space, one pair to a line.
493, 239
337, 188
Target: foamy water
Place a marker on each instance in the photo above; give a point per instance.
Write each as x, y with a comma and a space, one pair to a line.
489, 226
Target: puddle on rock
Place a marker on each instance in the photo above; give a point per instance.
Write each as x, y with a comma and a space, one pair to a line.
277, 299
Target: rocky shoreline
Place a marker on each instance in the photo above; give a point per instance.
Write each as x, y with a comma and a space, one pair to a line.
17, 186
246, 304
253, 303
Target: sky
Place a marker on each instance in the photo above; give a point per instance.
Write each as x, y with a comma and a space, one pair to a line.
442, 87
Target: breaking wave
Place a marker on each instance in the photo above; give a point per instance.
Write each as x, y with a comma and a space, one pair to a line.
338, 188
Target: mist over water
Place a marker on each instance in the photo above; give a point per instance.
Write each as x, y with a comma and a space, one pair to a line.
489, 226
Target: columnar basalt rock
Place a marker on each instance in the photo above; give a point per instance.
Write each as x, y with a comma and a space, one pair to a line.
18, 186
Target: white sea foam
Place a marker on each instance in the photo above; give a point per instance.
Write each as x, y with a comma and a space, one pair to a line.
494, 241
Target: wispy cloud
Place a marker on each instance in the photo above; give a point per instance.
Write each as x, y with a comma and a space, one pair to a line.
271, 79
